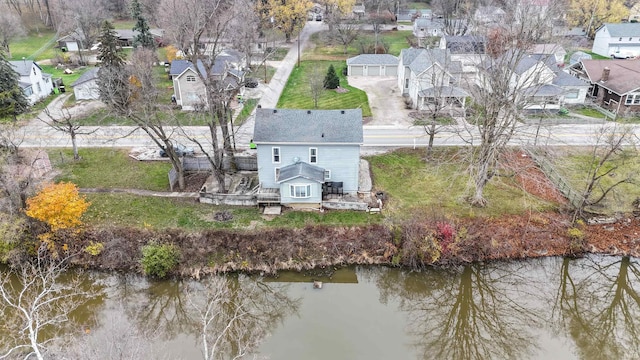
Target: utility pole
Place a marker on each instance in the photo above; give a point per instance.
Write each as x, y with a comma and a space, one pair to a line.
299, 47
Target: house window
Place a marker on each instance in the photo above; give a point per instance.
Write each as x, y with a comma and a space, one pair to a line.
313, 155
34, 71
572, 94
406, 83
300, 191
277, 172
327, 174
619, 39
633, 99
191, 78
275, 155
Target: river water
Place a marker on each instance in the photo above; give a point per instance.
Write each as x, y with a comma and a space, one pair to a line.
550, 308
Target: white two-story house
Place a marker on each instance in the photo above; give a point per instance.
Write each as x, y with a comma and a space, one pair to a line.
617, 40
304, 155
35, 84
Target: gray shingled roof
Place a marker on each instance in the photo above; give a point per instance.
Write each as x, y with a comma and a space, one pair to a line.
623, 29
23, 67
544, 90
301, 169
308, 126
373, 59
87, 76
466, 44
443, 91
564, 79
420, 60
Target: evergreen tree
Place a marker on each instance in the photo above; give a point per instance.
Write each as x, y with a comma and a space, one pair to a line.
144, 37
12, 99
113, 77
109, 53
331, 80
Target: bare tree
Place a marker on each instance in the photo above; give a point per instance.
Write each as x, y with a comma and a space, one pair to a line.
346, 32
10, 28
316, 85
614, 146
34, 299
200, 29
66, 123
85, 16
508, 83
244, 29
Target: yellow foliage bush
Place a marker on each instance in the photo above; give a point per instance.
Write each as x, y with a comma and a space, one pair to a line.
59, 205
94, 249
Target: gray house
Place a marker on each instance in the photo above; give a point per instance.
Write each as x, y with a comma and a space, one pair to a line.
304, 155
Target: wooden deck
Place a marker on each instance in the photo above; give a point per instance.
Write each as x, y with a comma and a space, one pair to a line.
268, 196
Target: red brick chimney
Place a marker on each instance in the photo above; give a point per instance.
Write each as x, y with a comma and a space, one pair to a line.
605, 74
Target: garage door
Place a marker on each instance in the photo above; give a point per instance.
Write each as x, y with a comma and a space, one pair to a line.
373, 70
356, 70
391, 70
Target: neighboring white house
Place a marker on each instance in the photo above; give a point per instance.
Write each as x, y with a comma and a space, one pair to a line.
188, 89
424, 27
556, 50
86, 87
543, 83
617, 40
35, 84
430, 75
372, 65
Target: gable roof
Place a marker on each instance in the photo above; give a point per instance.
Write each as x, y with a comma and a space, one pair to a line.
375, 59
621, 30
89, 75
564, 79
419, 60
624, 75
23, 67
308, 126
222, 62
303, 170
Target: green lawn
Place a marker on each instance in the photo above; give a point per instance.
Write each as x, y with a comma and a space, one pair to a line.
36, 46
296, 94
247, 108
110, 168
589, 112
442, 186
67, 79
325, 49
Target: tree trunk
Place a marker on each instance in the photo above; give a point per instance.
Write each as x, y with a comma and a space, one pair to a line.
74, 145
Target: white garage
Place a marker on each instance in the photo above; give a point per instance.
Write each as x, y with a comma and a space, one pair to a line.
372, 65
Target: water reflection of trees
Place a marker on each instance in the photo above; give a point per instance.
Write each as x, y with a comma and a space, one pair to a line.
597, 303
474, 312
234, 312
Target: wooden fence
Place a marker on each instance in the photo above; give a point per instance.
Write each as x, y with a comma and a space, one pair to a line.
574, 197
202, 164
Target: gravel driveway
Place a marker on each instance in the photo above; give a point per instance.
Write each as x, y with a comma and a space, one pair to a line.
385, 100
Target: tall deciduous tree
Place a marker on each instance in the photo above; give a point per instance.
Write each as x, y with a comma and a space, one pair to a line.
83, 16
199, 28
290, 16
12, 99
10, 28
501, 95
143, 38
590, 14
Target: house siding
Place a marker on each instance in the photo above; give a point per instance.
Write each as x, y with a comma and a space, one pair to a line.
190, 93
606, 45
342, 160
